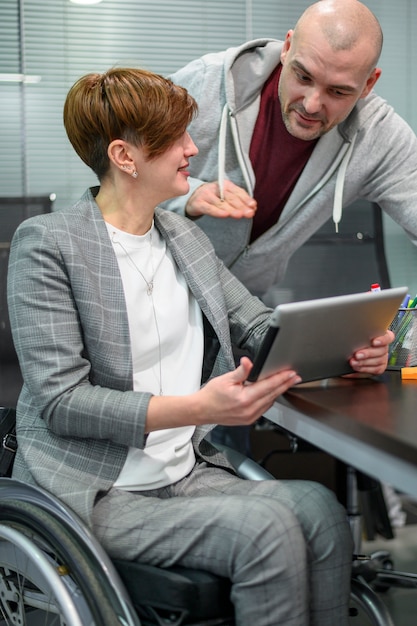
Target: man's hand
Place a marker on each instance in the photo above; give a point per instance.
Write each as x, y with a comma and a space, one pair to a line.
206, 200
374, 358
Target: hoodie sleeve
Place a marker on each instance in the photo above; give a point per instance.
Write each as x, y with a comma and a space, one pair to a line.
385, 162
204, 80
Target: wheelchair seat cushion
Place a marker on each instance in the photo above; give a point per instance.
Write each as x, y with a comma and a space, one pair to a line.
195, 593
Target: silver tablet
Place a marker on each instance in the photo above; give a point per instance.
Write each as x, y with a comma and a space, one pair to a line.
317, 337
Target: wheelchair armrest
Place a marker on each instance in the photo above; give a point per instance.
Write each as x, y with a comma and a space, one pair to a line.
244, 466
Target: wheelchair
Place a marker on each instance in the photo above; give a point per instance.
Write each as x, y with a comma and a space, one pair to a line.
53, 572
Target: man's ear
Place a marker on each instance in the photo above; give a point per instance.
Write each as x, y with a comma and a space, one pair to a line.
286, 45
372, 79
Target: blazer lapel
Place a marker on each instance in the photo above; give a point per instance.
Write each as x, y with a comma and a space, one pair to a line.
106, 291
197, 263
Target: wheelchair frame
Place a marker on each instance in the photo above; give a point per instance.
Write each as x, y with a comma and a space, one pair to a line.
50, 561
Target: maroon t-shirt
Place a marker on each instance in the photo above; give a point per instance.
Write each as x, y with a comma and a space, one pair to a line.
277, 158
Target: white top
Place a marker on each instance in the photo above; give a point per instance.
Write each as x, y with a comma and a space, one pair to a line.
166, 333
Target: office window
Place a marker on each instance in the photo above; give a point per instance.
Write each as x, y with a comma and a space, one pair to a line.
11, 105
59, 41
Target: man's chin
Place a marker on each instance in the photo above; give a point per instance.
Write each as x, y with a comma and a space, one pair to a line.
304, 132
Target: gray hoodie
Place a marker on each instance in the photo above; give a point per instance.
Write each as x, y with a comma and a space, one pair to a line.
371, 155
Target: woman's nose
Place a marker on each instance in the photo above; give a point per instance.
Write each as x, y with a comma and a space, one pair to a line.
190, 147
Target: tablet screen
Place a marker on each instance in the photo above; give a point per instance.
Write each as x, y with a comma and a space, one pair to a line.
317, 337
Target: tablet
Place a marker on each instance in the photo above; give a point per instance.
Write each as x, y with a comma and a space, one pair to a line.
316, 337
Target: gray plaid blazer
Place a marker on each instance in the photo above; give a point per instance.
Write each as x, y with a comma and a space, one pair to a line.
77, 413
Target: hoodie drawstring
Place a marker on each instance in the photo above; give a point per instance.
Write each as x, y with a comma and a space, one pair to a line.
221, 158
222, 151
340, 182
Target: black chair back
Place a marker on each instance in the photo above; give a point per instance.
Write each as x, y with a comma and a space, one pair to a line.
13, 211
332, 264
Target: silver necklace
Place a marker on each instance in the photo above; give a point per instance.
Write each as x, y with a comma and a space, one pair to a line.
149, 283
149, 291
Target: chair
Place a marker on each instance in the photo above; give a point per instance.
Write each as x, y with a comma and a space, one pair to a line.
12, 212
332, 264
39, 536
52, 570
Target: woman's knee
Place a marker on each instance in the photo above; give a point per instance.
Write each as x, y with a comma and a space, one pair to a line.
313, 500
325, 524
317, 510
269, 522
270, 533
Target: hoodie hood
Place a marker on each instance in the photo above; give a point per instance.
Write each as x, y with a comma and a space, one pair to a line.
245, 69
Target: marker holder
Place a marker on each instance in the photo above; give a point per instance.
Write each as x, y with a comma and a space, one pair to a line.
403, 350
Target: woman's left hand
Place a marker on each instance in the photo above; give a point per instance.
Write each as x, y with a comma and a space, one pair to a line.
374, 358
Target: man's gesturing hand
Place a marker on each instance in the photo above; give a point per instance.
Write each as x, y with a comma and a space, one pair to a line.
206, 200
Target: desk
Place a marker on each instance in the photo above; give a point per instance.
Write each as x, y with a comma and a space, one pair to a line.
368, 424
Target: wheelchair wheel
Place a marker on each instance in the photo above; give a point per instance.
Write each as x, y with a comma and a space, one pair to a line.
45, 577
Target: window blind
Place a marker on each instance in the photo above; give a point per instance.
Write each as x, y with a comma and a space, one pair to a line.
11, 103
61, 41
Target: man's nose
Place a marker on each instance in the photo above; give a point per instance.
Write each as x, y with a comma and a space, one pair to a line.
312, 101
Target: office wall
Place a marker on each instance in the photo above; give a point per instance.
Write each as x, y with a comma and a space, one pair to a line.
60, 41
398, 84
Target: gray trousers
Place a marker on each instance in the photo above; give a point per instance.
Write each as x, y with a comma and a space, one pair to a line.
285, 545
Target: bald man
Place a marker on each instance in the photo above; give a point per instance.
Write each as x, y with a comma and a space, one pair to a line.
289, 133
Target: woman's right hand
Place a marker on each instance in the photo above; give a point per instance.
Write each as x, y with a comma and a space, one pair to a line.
229, 400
